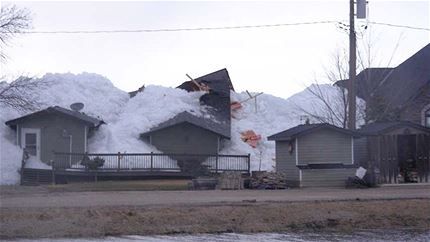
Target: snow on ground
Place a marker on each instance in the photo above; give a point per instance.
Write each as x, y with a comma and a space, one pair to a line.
127, 118
10, 154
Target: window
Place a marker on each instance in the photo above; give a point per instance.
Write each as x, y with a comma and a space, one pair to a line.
427, 118
31, 143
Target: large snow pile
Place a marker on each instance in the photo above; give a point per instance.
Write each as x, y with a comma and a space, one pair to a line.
147, 109
126, 118
101, 98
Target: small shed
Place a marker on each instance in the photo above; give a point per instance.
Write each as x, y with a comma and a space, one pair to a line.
399, 151
54, 129
314, 155
188, 134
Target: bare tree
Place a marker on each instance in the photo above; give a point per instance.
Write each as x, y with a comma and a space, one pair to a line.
333, 109
21, 94
13, 21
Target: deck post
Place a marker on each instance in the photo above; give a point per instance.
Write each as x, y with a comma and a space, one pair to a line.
53, 172
216, 164
119, 161
152, 160
249, 163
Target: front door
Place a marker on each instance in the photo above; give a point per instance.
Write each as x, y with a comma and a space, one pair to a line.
30, 141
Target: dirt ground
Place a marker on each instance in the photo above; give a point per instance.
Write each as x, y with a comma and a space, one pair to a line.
35, 212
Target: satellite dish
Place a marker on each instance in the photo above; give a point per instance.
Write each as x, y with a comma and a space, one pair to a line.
77, 106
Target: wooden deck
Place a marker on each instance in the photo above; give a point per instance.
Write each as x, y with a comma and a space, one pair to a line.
70, 167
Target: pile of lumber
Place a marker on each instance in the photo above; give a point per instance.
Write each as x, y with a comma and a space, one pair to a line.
230, 180
268, 180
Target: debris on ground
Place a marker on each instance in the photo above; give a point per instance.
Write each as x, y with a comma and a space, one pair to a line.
268, 180
231, 180
251, 138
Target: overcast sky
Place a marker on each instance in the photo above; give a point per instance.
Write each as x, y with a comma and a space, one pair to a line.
279, 61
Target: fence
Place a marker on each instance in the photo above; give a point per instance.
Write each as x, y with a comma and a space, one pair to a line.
150, 162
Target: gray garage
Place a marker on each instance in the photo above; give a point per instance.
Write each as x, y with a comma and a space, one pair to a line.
315, 155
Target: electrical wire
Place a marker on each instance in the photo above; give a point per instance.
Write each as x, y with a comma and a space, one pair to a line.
207, 28
175, 30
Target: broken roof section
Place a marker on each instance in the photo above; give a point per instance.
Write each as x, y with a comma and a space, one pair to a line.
186, 117
218, 81
218, 96
92, 122
302, 129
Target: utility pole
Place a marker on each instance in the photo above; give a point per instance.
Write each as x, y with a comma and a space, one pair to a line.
352, 66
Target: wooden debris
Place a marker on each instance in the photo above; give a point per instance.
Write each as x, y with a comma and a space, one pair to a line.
231, 180
268, 180
235, 106
198, 86
251, 138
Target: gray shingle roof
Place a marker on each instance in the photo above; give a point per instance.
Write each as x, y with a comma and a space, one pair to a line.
396, 85
367, 81
92, 122
302, 129
186, 117
380, 128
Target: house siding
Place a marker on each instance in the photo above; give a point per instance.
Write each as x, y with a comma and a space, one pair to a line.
326, 177
324, 146
286, 162
51, 132
185, 138
360, 152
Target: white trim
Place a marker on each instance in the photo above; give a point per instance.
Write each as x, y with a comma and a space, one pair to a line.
31, 131
423, 114
352, 150
17, 136
85, 139
296, 149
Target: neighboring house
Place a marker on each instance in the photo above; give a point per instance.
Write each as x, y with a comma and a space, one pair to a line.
399, 93
187, 133
54, 129
399, 151
315, 155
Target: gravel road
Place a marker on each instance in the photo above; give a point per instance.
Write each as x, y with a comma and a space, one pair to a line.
37, 197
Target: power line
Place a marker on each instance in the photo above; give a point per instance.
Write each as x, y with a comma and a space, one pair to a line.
400, 26
207, 28
174, 29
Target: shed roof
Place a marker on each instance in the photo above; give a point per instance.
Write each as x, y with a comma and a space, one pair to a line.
186, 117
396, 85
379, 128
303, 129
92, 122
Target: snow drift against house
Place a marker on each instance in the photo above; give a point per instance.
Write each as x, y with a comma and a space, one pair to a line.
126, 118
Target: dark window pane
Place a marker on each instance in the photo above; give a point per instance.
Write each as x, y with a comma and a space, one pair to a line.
30, 139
